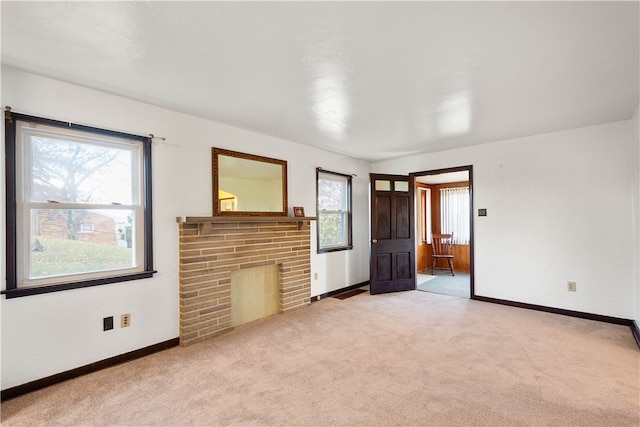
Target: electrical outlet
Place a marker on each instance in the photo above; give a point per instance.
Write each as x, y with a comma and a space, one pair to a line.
315, 276
571, 286
125, 320
107, 323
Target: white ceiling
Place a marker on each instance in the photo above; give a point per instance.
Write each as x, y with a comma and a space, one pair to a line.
372, 80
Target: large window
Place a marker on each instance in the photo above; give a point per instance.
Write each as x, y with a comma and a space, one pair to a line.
454, 214
78, 206
334, 211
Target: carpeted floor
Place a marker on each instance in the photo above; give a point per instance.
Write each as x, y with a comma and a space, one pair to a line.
446, 284
409, 358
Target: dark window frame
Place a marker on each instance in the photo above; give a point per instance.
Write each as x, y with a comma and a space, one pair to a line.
349, 244
11, 169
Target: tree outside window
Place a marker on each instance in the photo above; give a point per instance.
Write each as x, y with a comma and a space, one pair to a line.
334, 211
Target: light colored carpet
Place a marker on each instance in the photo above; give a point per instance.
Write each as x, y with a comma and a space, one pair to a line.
446, 284
409, 358
424, 278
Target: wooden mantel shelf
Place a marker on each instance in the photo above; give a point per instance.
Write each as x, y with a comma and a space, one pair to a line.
201, 219
221, 219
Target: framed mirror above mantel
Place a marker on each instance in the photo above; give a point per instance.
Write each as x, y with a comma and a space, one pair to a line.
248, 185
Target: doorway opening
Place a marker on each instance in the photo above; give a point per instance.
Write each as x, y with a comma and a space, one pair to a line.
444, 206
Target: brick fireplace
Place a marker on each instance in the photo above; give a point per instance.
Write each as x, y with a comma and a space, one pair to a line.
211, 248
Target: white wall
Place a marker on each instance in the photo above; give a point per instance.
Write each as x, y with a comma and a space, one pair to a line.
46, 334
559, 209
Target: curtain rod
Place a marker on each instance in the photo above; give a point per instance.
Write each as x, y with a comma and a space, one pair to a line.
320, 168
8, 114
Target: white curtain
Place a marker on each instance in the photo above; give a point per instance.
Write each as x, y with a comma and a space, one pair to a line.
454, 213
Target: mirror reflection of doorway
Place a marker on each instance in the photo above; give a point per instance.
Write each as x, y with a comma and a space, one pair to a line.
444, 206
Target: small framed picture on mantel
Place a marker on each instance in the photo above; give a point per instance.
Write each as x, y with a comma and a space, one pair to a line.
298, 211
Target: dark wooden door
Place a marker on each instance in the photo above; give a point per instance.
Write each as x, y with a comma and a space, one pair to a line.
392, 260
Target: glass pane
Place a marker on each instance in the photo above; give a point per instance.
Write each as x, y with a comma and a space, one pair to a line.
72, 241
332, 193
73, 170
383, 185
333, 229
401, 186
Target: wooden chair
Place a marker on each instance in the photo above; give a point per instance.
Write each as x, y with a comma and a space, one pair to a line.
441, 245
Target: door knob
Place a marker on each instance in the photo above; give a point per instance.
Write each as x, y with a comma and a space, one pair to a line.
374, 241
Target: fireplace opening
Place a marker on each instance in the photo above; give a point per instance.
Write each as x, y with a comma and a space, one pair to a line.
254, 293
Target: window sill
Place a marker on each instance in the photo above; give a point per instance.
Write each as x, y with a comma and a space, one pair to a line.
336, 249
44, 289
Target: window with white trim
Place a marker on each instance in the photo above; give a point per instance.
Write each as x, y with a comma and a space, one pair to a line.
333, 210
82, 200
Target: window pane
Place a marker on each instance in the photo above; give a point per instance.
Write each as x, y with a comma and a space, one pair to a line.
67, 170
334, 229
401, 186
61, 244
332, 193
383, 185
454, 213
86, 228
424, 214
